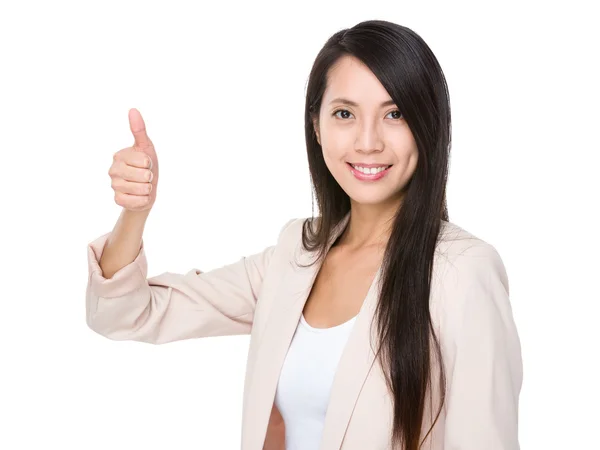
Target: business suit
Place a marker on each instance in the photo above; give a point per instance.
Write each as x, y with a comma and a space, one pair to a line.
264, 294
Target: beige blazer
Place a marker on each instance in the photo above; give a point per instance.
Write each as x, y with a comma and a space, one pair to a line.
263, 295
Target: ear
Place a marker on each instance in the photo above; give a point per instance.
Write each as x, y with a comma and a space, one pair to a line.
316, 128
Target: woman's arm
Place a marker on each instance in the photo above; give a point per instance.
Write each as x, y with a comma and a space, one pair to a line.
124, 242
482, 355
173, 306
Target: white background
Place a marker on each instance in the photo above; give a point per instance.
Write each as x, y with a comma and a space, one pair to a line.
221, 87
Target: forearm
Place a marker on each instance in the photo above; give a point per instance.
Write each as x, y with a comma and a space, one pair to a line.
124, 242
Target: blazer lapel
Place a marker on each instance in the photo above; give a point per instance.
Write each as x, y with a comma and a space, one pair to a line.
355, 362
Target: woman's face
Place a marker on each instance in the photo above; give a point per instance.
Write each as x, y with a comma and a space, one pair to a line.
368, 131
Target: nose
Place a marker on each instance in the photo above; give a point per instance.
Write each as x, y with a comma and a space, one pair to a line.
368, 138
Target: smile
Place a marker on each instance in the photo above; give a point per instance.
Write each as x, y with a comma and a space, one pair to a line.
368, 173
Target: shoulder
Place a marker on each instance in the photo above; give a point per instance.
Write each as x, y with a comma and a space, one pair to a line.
290, 231
455, 245
469, 275
461, 256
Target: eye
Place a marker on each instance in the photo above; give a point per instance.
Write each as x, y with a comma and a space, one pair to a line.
342, 111
398, 114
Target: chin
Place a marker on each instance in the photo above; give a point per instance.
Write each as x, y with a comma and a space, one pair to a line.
364, 198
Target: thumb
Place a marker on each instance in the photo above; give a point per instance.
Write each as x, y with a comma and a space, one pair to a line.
138, 128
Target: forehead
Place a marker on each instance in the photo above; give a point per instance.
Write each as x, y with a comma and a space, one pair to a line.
350, 78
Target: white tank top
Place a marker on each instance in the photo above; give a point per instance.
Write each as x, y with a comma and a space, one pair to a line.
305, 381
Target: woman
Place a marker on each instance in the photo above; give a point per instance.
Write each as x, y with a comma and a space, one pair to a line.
377, 325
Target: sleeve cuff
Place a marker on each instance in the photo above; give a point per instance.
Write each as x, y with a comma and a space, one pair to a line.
128, 279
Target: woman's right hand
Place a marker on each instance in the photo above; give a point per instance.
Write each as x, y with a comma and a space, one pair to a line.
134, 171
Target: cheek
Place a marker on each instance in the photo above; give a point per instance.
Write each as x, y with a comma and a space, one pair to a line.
407, 162
336, 145
414, 160
330, 158
409, 154
333, 150
407, 166
334, 160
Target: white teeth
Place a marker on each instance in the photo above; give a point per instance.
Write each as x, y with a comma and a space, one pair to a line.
370, 171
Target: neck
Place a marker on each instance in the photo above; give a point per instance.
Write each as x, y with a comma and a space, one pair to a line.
369, 226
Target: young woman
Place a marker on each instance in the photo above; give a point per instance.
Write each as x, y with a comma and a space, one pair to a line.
378, 324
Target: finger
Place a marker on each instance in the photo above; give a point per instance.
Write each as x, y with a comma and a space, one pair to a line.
130, 173
131, 187
134, 158
137, 159
131, 201
138, 128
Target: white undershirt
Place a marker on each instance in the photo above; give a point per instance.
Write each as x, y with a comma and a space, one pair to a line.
305, 381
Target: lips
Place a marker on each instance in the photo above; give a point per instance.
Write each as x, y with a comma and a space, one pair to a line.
368, 177
369, 165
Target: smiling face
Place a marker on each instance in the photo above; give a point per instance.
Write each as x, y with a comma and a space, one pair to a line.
370, 130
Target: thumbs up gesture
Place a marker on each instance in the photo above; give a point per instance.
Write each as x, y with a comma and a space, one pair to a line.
134, 171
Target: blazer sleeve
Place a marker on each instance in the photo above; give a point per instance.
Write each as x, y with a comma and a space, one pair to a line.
173, 306
482, 353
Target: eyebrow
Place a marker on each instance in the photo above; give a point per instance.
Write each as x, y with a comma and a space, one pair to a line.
351, 103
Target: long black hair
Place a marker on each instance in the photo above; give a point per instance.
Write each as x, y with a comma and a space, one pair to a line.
411, 74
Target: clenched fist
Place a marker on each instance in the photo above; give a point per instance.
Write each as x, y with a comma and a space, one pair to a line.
134, 171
